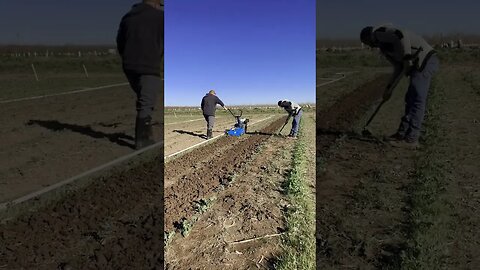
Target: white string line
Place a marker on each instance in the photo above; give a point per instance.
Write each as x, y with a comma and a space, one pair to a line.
214, 138
63, 93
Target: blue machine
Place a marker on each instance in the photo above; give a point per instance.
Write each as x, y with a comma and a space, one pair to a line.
240, 126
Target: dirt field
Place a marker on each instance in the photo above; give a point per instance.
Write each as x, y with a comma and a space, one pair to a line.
227, 191
184, 132
113, 222
47, 140
380, 207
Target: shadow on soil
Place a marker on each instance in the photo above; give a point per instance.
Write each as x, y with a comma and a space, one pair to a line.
351, 135
54, 125
200, 135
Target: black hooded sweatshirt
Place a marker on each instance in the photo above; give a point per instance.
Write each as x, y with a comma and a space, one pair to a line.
209, 103
140, 40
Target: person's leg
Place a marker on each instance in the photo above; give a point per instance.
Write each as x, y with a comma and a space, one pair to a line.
206, 120
420, 82
150, 89
134, 81
210, 124
296, 124
147, 94
405, 120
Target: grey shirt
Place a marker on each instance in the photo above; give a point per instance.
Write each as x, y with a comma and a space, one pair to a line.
399, 46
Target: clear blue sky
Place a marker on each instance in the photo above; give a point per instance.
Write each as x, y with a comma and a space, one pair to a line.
249, 51
346, 18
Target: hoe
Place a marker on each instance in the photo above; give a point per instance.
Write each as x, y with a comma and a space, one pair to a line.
365, 131
240, 126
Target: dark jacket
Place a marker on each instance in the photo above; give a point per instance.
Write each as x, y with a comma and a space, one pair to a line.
209, 103
140, 40
291, 107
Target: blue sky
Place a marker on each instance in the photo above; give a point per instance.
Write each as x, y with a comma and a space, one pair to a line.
345, 18
249, 51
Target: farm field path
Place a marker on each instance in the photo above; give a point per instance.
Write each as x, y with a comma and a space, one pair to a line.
49, 140
459, 155
251, 205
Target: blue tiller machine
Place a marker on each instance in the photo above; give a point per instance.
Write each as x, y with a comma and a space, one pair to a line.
240, 126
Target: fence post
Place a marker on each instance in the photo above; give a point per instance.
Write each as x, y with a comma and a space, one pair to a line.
34, 72
85, 70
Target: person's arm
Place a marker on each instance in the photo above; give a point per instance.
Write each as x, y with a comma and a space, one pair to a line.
398, 72
220, 102
203, 103
121, 38
400, 42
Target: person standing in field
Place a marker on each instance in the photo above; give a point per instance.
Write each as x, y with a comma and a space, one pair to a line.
294, 110
140, 44
209, 106
410, 56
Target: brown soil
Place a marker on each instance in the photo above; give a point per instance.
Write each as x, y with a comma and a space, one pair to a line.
363, 186
359, 206
115, 222
250, 206
345, 113
459, 153
48, 140
181, 135
199, 174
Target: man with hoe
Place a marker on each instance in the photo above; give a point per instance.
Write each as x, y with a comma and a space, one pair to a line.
140, 44
294, 110
410, 56
209, 104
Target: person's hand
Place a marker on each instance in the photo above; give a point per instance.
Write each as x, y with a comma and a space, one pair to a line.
408, 66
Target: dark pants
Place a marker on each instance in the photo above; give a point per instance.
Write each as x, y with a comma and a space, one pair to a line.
147, 88
416, 100
210, 121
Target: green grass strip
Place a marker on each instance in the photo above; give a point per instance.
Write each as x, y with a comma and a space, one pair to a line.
299, 241
428, 218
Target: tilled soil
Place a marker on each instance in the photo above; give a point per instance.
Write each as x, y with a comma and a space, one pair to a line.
250, 206
182, 134
115, 222
199, 180
48, 140
345, 113
359, 184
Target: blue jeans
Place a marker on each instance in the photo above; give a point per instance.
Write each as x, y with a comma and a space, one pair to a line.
416, 100
296, 123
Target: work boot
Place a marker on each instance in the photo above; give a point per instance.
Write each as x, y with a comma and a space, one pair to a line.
143, 133
209, 134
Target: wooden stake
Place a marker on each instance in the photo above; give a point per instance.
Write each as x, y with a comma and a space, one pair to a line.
256, 238
35, 72
85, 70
